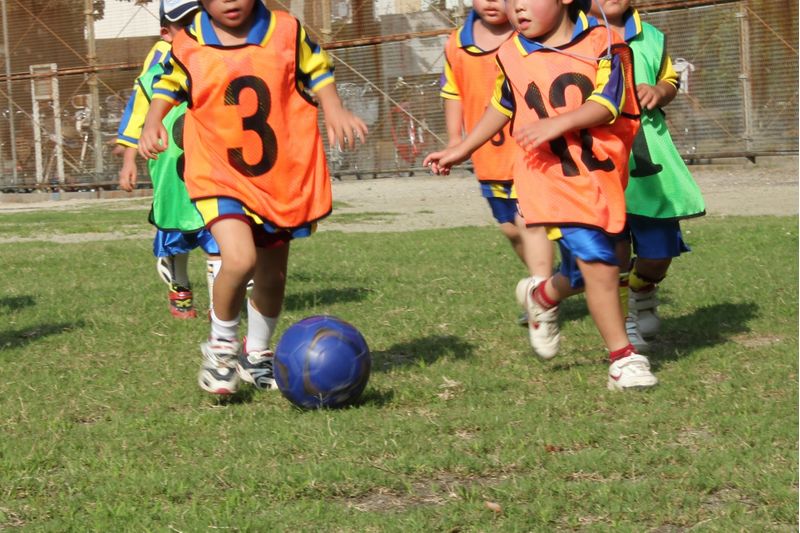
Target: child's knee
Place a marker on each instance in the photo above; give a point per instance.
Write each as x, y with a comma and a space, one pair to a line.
240, 265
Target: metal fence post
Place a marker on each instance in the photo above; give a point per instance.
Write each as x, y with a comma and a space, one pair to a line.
12, 127
91, 56
744, 74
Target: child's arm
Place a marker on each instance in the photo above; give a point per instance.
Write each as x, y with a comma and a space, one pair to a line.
454, 120
588, 115
487, 127
154, 137
127, 174
342, 125
658, 95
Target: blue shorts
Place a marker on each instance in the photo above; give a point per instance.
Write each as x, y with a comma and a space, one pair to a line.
502, 199
265, 234
504, 209
585, 244
655, 238
169, 243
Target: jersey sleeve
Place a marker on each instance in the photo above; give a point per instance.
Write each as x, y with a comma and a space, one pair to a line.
173, 84
314, 63
448, 88
130, 127
502, 97
609, 89
668, 73
155, 56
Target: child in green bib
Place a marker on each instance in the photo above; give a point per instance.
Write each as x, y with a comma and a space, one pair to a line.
661, 190
180, 227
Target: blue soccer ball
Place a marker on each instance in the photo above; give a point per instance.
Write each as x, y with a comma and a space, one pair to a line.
322, 361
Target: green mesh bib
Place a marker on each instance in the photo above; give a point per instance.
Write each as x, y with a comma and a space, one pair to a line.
172, 209
660, 185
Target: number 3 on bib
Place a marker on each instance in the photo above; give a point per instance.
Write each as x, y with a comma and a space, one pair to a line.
256, 122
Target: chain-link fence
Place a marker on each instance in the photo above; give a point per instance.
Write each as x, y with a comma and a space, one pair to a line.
68, 67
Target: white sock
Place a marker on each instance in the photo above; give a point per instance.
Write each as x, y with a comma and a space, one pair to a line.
260, 329
212, 269
180, 270
224, 329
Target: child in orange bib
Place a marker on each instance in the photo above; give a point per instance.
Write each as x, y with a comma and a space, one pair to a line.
467, 83
255, 163
563, 84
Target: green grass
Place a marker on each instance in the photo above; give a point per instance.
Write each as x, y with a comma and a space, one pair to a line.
104, 429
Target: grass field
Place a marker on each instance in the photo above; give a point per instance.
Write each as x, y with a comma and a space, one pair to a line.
461, 427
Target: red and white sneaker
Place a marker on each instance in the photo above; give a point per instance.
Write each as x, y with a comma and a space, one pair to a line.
181, 302
631, 372
543, 329
218, 372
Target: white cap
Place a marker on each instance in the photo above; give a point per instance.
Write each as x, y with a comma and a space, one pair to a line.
174, 10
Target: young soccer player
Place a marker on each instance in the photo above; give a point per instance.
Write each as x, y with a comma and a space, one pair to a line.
563, 82
179, 227
255, 163
467, 83
661, 190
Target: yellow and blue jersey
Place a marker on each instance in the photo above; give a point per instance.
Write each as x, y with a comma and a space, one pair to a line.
130, 127
465, 39
633, 27
607, 92
314, 65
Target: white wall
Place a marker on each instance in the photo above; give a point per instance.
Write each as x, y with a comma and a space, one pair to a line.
125, 19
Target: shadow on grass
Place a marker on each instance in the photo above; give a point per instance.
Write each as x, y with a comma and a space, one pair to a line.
22, 337
426, 350
680, 336
706, 326
323, 297
244, 395
15, 303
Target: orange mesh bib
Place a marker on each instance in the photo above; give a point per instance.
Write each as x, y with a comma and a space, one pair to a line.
250, 134
475, 74
579, 178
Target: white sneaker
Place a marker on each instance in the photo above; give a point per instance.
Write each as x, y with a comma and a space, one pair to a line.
218, 373
256, 368
645, 304
542, 323
631, 372
634, 335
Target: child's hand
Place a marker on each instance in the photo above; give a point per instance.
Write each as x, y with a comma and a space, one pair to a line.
650, 96
538, 132
441, 161
153, 140
344, 128
127, 174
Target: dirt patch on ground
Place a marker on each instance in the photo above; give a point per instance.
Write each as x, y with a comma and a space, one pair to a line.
730, 187
734, 187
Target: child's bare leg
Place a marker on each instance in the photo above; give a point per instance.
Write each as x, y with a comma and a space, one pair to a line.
602, 297
263, 309
270, 279
235, 240
653, 269
537, 249
512, 233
